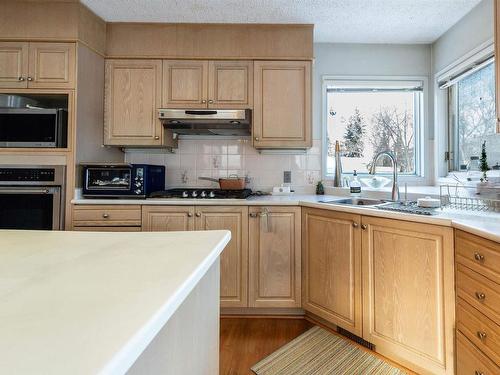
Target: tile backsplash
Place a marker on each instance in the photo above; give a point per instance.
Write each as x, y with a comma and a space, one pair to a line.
217, 158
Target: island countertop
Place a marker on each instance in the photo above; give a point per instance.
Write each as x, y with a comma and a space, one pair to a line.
89, 303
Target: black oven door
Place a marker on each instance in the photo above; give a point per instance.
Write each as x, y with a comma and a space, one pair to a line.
30, 207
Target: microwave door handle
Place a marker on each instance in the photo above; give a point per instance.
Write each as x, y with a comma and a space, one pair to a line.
24, 191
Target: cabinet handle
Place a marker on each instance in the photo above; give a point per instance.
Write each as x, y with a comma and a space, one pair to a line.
157, 137
21, 79
477, 372
210, 102
481, 335
30, 79
190, 214
355, 225
479, 257
480, 296
203, 101
363, 226
105, 215
198, 214
257, 139
253, 214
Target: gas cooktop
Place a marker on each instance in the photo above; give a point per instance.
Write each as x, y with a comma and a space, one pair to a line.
200, 193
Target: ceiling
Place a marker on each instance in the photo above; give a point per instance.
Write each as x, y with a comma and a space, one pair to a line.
338, 21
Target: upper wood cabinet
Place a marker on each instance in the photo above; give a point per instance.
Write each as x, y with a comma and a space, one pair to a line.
234, 258
37, 65
207, 84
282, 104
274, 257
408, 292
331, 267
131, 99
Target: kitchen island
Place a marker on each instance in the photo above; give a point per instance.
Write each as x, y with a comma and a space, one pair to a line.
109, 303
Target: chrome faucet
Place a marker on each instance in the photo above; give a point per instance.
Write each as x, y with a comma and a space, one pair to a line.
395, 186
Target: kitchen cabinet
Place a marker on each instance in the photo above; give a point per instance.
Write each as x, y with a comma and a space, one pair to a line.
207, 84
408, 293
274, 257
282, 104
107, 218
234, 259
37, 65
331, 267
167, 218
131, 99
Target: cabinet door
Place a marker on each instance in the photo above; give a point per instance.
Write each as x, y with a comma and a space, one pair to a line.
274, 257
13, 64
282, 104
408, 292
185, 84
167, 218
331, 273
230, 84
51, 65
131, 99
234, 259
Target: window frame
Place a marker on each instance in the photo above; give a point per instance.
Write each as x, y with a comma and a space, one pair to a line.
421, 174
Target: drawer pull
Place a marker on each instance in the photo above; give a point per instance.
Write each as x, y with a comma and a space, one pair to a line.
480, 296
198, 214
105, 215
190, 214
481, 335
355, 225
477, 372
479, 257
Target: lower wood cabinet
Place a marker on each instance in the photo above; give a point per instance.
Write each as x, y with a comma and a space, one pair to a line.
331, 267
274, 257
408, 293
234, 259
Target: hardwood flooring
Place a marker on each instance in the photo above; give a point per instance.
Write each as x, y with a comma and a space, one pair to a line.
245, 341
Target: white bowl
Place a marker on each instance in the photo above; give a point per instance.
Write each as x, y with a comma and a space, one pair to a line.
375, 182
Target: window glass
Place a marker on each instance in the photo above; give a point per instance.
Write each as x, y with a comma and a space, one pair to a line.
367, 121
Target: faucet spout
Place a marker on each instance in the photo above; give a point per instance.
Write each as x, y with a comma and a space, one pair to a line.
395, 185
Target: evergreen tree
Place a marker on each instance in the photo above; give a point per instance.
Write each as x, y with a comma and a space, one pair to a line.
353, 137
484, 162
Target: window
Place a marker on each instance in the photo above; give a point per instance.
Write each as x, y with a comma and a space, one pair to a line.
367, 117
472, 117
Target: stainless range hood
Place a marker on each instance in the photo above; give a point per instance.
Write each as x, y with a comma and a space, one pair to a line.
206, 121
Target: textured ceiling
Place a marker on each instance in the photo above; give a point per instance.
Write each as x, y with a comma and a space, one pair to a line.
341, 21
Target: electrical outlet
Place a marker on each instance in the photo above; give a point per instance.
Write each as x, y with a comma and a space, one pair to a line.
287, 177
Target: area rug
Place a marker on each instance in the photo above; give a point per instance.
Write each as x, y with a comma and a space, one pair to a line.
319, 352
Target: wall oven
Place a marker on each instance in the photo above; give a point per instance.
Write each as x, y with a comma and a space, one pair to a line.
33, 127
32, 197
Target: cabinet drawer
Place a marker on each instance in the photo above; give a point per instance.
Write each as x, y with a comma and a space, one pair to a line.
479, 329
470, 361
480, 292
481, 255
125, 215
107, 229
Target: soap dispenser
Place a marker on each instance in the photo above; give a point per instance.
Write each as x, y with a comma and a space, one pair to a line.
355, 185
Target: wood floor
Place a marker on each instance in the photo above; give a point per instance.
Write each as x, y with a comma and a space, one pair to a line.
244, 342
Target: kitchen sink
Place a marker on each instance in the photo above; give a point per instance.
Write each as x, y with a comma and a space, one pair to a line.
357, 201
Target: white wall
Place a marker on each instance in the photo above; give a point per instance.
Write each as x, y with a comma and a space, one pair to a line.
471, 31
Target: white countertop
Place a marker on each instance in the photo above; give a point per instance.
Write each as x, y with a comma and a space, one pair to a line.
483, 224
90, 303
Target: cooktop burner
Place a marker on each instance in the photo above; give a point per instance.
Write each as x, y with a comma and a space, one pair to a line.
201, 193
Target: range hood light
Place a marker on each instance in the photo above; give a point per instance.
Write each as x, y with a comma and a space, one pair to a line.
174, 122
234, 122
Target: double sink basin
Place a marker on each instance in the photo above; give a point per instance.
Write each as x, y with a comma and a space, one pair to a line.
357, 202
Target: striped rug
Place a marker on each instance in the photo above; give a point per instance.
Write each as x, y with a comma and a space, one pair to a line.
319, 352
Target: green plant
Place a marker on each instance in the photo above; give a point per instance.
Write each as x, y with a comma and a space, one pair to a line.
483, 162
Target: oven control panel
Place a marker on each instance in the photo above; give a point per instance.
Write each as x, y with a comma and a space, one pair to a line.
27, 174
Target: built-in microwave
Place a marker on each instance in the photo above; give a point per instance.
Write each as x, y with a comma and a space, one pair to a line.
33, 127
122, 180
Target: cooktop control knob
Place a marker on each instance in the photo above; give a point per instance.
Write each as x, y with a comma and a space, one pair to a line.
138, 191
211, 194
194, 194
203, 194
184, 194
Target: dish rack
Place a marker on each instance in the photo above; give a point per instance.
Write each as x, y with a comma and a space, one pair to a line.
470, 197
